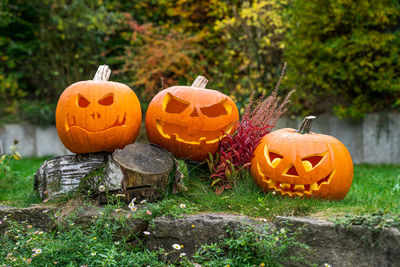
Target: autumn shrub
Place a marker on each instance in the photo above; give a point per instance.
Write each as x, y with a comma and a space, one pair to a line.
237, 45
158, 57
236, 150
188, 15
344, 56
48, 45
251, 55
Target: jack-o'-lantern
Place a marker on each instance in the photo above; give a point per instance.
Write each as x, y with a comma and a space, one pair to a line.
303, 163
189, 121
98, 115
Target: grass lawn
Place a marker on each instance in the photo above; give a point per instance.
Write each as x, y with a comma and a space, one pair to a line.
374, 188
16, 182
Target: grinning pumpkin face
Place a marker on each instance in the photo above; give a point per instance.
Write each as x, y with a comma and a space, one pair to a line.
97, 115
190, 121
302, 163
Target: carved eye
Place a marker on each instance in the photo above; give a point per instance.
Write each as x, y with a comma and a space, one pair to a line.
83, 102
107, 100
172, 104
273, 158
311, 162
219, 109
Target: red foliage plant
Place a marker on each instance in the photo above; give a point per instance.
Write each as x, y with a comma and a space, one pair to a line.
157, 54
236, 150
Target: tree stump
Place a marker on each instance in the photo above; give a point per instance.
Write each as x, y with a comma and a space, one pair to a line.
64, 174
143, 170
138, 171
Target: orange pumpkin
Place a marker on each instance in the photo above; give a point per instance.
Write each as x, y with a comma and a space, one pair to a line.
189, 121
303, 163
98, 115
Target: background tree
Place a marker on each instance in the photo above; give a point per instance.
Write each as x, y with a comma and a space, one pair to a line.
343, 56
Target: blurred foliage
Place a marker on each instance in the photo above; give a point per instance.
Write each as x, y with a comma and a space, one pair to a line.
48, 45
157, 57
342, 55
10, 93
167, 44
251, 58
37, 112
10, 90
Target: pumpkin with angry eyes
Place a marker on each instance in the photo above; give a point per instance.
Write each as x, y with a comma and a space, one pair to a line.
303, 163
98, 115
189, 121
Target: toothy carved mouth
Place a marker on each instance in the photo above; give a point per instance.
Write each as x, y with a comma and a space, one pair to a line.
70, 123
295, 189
168, 131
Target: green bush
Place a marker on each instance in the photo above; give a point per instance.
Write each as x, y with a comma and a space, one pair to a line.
10, 94
72, 245
71, 39
157, 58
252, 247
10, 90
38, 112
49, 45
344, 56
248, 56
103, 244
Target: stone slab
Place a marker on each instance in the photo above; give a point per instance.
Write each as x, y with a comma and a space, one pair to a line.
347, 247
331, 244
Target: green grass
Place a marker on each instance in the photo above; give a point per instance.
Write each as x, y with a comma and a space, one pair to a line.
102, 243
16, 183
374, 188
375, 192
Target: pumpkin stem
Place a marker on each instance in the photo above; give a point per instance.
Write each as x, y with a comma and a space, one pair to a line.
200, 82
305, 126
102, 74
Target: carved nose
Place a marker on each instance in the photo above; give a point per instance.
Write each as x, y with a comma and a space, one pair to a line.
292, 171
194, 113
95, 115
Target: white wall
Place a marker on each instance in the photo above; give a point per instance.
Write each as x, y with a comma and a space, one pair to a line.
375, 139
33, 140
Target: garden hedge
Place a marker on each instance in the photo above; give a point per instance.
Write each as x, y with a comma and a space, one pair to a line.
342, 55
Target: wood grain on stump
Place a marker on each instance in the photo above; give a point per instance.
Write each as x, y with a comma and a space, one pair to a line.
145, 169
138, 171
64, 174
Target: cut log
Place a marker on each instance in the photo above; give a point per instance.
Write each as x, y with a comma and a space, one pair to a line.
138, 171
64, 174
143, 169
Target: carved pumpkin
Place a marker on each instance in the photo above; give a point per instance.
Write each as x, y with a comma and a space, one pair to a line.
303, 163
189, 121
98, 115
